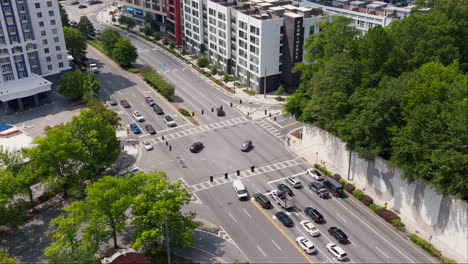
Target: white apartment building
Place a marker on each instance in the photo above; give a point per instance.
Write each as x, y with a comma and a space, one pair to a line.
258, 41
31, 45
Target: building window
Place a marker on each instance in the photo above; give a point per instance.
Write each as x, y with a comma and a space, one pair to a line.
52, 22
255, 30
12, 30
311, 30
27, 36
56, 39
49, 67
39, 15
60, 64
51, 13
46, 50
8, 77
49, 3
38, 5
59, 56
9, 21
54, 31
24, 18
48, 59
44, 42
41, 23
57, 48
7, 10
21, 8
14, 39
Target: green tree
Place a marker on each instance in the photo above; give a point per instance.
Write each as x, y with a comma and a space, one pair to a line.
5, 257
123, 20
63, 16
77, 255
172, 45
280, 90
75, 85
103, 113
85, 26
12, 211
147, 31
154, 209
128, 22
124, 52
75, 42
165, 41
183, 51
214, 70
157, 36
202, 61
108, 38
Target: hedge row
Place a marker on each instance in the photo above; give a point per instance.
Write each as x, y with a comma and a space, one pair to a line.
323, 169
425, 245
157, 82
184, 112
349, 187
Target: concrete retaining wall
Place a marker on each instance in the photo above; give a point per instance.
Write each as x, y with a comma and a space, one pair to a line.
441, 220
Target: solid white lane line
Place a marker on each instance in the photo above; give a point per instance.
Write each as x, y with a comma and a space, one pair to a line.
261, 251
344, 220
352, 243
232, 217
247, 213
382, 252
276, 244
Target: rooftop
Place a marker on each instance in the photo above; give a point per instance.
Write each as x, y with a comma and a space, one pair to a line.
23, 87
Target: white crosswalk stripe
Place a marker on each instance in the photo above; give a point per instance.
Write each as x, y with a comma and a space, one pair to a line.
275, 132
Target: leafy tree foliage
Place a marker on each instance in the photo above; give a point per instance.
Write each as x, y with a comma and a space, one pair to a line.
202, 61
5, 257
12, 211
75, 42
128, 22
85, 26
124, 52
75, 85
147, 31
77, 255
109, 116
63, 16
109, 37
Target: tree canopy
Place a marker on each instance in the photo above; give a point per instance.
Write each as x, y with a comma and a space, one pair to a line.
85, 26
108, 38
398, 92
75, 85
75, 42
124, 52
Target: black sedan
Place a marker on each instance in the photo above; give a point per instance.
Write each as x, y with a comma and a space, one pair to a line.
284, 188
150, 129
75, 3
314, 214
284, 218
338, 234
125, 103
196, 147
82, 6
220, 112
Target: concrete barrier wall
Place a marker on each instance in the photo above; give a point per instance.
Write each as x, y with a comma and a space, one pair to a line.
441, 220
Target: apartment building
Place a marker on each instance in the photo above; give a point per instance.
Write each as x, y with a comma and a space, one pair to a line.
31, 45
165, 15
259, 41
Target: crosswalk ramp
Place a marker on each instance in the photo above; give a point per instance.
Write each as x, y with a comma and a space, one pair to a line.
275, 132
244, 174
200, 129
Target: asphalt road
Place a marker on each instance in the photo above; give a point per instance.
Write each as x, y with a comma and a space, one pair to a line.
257, 233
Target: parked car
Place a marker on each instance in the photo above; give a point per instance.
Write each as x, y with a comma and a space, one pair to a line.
196, 147
310, 228
150, 129
75, 3
147, 145
135, 128
314, 214
125, 103
315, 174
112, 100
169, 121
294, 182
246, 146
82, 6
158, 109
284, 218
220, 112
93, 67
138, 116
306, 245
338, 234
262, 200
336, 251
284, 188
150, 101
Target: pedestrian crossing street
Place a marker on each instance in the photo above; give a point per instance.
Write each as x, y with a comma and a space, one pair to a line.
271, 129
244, 174
200, 129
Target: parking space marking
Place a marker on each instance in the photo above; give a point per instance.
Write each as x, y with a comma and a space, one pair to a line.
344, 220
232, 217
276, 244
382, 252
352, 243
247, 213
261, 251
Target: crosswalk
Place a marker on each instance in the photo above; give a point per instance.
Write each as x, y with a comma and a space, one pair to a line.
244, 174
275, 132
200, 129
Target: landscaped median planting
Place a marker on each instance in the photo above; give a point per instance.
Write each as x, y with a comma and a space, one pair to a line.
184, 112
157, 82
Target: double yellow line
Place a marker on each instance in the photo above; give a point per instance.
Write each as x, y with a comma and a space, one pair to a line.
282, 232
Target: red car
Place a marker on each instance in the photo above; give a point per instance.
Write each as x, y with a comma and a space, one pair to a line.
125, 104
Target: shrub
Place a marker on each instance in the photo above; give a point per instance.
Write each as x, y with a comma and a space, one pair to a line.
184, 112
227, 78
218, 82
214, 70
280, 90
134, 70
207, 74
428, 247
389, 216
380, 211
202, 61
172, 45
374, 207
183, 51
113, 19
336, 176
323, 169
398, 225
358, 194
279, 98
342, 182
157, 82
147, 31
156, 36
145, 69
448, 261
367, 200
166, 41
349, 187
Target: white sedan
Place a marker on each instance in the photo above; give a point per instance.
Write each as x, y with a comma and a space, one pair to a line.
310, 228
138, 116
306, 245
315, 174
147, 145
336, 251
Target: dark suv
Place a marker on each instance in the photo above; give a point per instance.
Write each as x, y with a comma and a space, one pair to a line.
158, 109
284, 218
338, 234
262, 200
284, 188
314, 214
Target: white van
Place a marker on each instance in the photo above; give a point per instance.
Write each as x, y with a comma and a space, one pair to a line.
240, 190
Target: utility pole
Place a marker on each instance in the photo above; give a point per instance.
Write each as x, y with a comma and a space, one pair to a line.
167, 245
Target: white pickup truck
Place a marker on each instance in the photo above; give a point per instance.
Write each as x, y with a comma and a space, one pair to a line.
283, 199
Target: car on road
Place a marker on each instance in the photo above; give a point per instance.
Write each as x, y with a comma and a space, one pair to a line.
338, 234
240, 190
150, 101
284, 188
112, 100
125, 103
284, 218
150, 129
82, 6
246, 146
314, 214
319, 190
315, 174
75, 3
220, 112
262, 200
138, 116
147, 145
196, 147
294, 182
135, 128
336, 251
334, 187
169, 121
93, 67
306, 245
158, 109
73, 24
310, 228
94, 2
